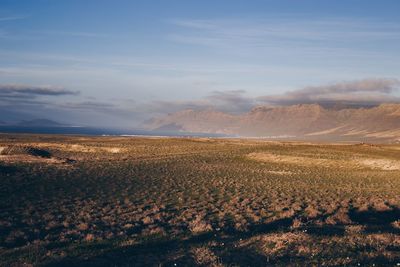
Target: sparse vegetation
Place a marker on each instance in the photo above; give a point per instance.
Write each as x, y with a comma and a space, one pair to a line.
67, 201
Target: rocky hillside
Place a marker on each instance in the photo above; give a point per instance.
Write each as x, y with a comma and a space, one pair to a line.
305, 120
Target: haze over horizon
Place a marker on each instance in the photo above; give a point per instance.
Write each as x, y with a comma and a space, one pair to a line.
99, 63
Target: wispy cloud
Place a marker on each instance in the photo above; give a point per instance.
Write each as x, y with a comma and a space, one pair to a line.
98, 106
323, 29
8, 18
115, 63
233, 102
73, 33
312, 36
17, 90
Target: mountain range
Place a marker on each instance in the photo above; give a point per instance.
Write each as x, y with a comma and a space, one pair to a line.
309, 121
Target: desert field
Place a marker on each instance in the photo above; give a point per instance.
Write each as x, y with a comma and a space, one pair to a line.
136, 201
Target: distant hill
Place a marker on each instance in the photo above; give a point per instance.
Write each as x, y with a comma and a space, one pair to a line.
304, 120
39, 123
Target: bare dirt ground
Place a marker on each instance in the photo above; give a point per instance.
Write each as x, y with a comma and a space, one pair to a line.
351, 162
381, 164
113, 201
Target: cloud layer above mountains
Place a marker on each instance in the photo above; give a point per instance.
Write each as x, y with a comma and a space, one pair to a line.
367, 91
46, 101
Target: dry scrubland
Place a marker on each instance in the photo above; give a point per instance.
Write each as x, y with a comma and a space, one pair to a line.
67, 201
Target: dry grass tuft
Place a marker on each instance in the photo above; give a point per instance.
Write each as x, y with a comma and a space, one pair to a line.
203, 256
198, 225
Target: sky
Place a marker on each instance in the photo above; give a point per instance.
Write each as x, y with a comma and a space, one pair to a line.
119, 63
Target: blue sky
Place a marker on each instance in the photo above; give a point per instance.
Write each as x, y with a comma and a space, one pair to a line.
117, 63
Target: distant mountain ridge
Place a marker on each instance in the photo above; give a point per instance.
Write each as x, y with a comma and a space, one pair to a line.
303, 120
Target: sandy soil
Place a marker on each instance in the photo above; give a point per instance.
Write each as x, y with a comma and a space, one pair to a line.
380, 164
356, 162
305, 161
76, 148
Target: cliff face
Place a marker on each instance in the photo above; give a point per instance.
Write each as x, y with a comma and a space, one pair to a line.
297, 120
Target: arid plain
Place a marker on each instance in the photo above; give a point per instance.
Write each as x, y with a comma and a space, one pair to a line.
135, 201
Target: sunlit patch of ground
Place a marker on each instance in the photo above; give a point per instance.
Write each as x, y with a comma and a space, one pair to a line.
352, 162
281, 172
381, 164
307, 161
82, 148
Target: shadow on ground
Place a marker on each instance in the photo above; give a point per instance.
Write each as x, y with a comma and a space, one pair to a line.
377, 221
8, 169
177, 252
